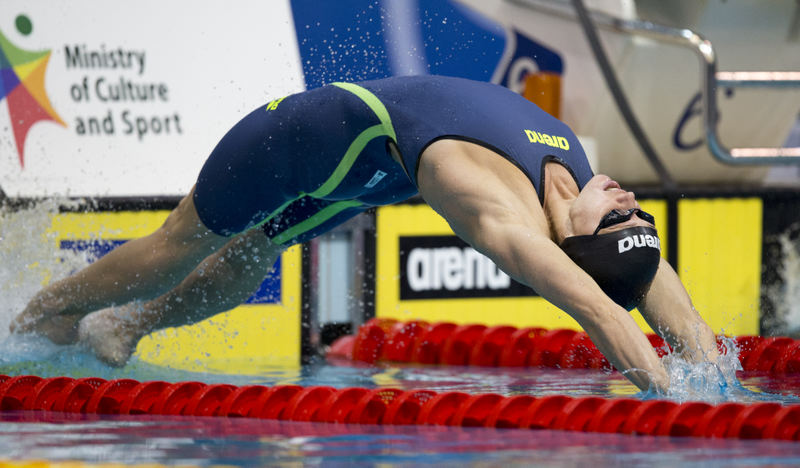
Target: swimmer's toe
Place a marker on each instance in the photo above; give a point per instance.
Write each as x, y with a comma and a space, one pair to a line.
60, 329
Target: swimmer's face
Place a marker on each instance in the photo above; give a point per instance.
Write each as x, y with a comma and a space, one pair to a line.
600, 196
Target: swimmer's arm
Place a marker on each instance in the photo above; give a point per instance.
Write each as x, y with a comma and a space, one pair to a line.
668, 310
538, 262
492, 210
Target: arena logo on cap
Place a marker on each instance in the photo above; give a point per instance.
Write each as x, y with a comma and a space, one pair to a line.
22, 86
640, 240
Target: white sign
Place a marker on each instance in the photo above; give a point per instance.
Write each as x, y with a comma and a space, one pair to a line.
118, 99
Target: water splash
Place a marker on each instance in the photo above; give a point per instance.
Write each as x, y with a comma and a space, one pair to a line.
789, 305
29, 256
781, 291
711, 382
704, 381
35, 355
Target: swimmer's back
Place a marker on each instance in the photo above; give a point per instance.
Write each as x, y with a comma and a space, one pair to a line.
426, 108
329, 145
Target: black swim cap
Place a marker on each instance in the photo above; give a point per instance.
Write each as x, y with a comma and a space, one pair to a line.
623, 263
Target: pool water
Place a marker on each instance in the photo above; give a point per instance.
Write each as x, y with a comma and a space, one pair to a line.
250, 442
20, 355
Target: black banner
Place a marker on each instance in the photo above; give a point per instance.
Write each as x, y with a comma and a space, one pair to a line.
780, 244
445, 267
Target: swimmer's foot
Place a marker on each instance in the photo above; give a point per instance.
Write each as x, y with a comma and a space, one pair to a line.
60, 329
44, 316
112, 334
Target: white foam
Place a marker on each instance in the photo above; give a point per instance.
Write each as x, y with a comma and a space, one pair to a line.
710, 382
29, 257
788, 306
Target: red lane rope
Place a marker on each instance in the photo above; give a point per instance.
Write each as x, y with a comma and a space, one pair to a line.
500, 346
398, 407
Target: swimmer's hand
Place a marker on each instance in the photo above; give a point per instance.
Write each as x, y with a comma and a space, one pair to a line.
43, 316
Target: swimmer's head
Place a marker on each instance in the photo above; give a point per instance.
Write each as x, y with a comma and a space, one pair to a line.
614, 241
600, 196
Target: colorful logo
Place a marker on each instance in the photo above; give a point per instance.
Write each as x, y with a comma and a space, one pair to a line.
22, 85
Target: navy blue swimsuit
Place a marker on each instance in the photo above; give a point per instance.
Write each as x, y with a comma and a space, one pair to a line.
303, 164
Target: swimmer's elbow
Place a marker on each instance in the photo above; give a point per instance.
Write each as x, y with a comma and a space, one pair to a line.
500, 231
601, 316
485, 231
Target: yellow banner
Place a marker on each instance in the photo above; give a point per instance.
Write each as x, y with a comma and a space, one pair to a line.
236, 341
721, 270
719, 258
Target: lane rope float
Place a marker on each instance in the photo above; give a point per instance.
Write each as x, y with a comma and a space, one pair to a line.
38, 397
445, 343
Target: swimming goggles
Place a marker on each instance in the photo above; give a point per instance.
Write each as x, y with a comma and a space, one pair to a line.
617, 216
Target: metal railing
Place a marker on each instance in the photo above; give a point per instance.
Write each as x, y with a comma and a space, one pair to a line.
710, 78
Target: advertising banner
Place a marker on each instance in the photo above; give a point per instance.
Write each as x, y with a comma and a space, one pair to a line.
117, 99
439, 267
425, 272
265, 330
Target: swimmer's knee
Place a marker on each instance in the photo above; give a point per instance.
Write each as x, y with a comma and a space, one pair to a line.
255, 245
183, 229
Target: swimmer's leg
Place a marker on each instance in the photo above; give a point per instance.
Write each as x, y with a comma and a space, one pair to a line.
137, 270
219, 283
